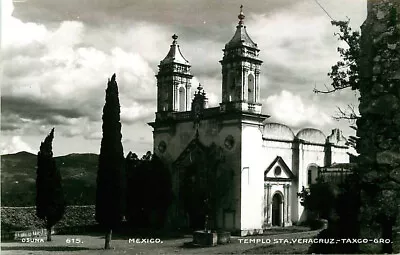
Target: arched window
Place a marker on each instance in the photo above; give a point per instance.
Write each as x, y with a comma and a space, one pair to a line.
182, 99
312, 174
251, 88
309, 176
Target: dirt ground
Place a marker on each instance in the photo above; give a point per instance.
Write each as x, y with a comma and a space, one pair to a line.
92, 244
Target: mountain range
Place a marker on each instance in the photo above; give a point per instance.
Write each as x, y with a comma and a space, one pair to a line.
18, 178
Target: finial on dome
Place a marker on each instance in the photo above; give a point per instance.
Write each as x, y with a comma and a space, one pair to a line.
241, 15
174, 37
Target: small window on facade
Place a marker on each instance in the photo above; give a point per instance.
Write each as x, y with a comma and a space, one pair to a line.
309, 177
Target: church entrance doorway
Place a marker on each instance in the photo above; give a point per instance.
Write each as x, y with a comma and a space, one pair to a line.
277, 210
195, 172
193, 193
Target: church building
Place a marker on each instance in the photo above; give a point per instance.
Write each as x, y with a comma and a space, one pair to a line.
230, 167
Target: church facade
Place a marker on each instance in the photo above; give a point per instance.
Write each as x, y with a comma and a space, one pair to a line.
230, 167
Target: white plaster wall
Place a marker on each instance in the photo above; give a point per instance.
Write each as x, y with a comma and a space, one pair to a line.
275, 188
272, 149
339, 155
252, 195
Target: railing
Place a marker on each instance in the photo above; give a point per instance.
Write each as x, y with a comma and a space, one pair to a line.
188, 115
242, 106
182, 115
334, 175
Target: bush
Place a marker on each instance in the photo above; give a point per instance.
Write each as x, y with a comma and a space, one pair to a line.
24, 218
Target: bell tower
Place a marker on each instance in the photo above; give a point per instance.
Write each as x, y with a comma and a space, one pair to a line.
241, 72
174, 81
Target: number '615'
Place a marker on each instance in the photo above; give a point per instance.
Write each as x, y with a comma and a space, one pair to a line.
73, 240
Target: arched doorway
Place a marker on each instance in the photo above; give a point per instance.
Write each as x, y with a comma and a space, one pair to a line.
277, 210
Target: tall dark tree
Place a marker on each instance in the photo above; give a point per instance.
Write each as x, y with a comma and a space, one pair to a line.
162, 196
338, 203
50, 203
131, 168
110, 204
149, 191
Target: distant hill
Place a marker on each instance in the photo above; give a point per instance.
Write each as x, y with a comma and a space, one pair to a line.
18, 178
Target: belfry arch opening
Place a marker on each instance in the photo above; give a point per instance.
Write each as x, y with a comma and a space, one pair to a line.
182, 99
251, 88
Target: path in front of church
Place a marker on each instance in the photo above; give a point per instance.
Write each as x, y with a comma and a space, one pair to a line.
93, 244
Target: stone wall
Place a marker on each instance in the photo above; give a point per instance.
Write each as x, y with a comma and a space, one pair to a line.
379, 106
379, 124
24, 218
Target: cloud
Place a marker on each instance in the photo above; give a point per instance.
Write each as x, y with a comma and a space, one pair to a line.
55, 74
37, 110
15, 145
175, 12
136, 112
213, 100
291, 110
57, 57
295, 48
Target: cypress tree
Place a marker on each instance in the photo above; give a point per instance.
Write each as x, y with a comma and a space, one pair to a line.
110, 176
50, 203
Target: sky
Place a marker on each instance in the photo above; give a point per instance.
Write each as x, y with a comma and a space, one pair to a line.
56, 57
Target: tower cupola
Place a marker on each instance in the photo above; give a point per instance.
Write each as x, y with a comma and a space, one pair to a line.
174, 81
174, 55
241, 71
241, 37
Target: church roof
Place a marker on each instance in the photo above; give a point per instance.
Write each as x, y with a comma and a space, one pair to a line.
241, 38
311, 135
174, 55
277, 131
